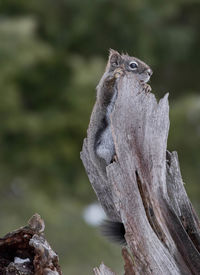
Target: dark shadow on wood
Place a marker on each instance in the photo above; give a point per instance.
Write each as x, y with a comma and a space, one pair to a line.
25, 251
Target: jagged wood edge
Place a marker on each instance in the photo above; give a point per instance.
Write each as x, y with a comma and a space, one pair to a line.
155, 217
30, 241
101, 187
147, 133
103, 270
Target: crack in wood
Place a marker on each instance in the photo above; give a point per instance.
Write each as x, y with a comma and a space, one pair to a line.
149, 210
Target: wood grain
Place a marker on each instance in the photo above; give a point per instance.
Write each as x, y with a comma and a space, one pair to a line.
144, 188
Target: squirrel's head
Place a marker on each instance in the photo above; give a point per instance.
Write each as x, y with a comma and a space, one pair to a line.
130, 64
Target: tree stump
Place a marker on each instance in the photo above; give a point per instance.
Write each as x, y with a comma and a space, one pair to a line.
26, 252
144, 189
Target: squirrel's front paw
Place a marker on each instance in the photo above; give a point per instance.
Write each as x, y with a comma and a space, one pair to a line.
147, 88
118, 72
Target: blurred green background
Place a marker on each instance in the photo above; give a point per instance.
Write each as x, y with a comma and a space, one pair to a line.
52, 55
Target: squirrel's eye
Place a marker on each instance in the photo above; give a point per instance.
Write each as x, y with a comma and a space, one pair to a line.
133, 65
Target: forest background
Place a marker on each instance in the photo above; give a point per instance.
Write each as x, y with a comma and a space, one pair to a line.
52, 55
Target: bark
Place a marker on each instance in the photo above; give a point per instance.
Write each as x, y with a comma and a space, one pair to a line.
145, 189
25, 251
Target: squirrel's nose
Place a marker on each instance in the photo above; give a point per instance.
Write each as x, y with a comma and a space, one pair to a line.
150, 72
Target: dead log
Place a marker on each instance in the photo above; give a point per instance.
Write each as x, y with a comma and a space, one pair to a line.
25, 251
145, 188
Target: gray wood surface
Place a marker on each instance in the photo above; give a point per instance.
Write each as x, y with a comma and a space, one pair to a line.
144, 189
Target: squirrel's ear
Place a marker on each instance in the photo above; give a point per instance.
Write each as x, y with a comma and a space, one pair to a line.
114, 57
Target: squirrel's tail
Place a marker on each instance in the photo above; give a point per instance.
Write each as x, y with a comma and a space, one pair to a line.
114, 231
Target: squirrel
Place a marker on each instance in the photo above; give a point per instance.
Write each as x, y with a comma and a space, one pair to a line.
100, 141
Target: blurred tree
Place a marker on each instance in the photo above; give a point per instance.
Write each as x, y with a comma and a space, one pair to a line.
52, 59
185, 138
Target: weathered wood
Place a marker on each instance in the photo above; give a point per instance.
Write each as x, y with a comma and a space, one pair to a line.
144, 188
25, 251
129, 262
103, 270
101, 187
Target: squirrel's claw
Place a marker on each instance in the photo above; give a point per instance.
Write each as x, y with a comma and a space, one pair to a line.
147, 88
118, 72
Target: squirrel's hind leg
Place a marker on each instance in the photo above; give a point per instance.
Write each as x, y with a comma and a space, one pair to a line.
106, 149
